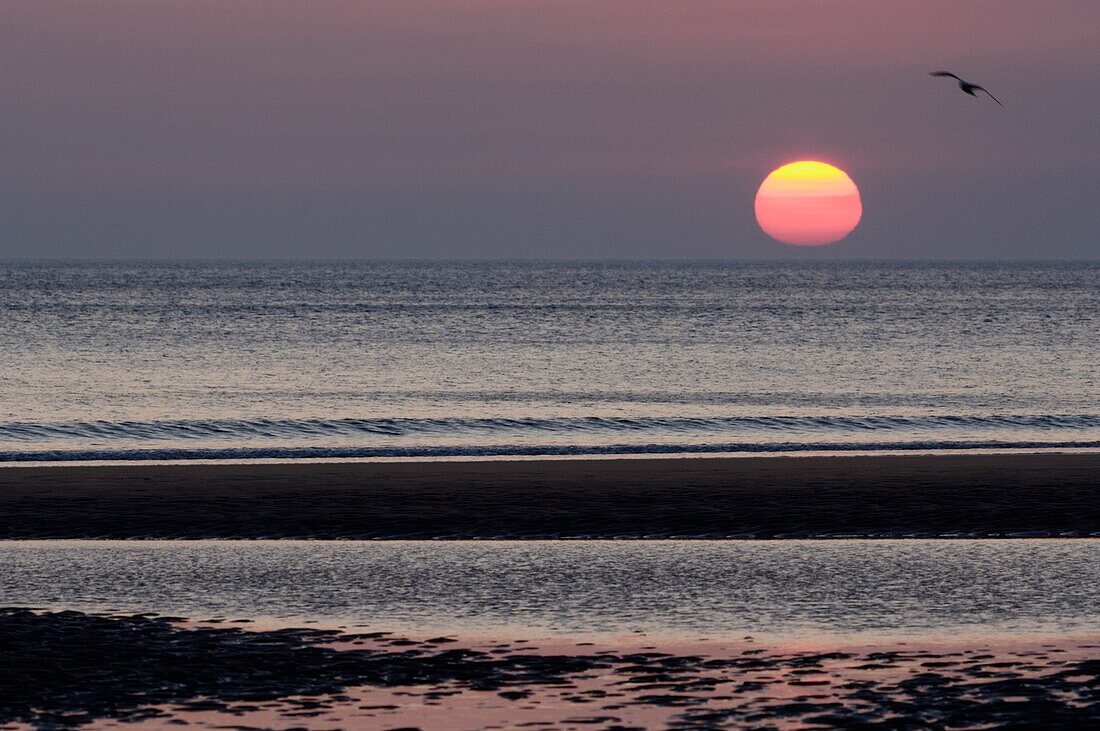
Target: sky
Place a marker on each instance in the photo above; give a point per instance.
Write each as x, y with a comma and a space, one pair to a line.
547, 129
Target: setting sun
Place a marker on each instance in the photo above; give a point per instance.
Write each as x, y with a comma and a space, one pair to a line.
808, 203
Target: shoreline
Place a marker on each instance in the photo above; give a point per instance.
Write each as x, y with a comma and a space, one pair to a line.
302, 455
836, 496
582, 456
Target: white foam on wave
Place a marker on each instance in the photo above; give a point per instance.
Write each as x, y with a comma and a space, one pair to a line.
246, 429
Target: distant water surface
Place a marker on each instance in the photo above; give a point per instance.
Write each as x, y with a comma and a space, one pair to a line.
129, 361
790, 588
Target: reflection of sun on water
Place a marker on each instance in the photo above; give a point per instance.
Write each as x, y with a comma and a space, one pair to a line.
808, 203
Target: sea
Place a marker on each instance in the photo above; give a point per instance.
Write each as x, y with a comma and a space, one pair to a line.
211, 361
820, 591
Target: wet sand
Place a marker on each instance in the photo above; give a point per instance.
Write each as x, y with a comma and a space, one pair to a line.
973, 495
67, 669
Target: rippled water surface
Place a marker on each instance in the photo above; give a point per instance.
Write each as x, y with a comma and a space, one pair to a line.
264, 360
778, 588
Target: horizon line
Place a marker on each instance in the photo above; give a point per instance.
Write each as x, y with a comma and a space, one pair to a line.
530, 260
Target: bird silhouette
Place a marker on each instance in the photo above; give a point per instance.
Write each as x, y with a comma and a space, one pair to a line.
966, 85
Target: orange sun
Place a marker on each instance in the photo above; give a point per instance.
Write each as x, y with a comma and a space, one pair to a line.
808, 203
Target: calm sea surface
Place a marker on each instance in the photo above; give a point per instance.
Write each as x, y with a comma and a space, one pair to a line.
703, 589
373, 360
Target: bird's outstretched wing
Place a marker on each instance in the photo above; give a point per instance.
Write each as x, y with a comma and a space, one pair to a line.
945, 73
979, 88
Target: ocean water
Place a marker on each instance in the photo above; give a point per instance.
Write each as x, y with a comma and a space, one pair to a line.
189, 361
787, 589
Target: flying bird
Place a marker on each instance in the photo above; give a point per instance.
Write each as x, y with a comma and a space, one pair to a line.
966, 85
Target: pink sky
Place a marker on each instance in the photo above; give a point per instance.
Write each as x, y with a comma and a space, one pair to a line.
580, 128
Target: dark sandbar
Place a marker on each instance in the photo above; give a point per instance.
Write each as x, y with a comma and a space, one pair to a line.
987, 495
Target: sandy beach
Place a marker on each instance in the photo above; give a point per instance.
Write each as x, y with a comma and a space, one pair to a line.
67, 669
973, 495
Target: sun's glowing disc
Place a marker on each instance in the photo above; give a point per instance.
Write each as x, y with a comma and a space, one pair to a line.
808, 203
